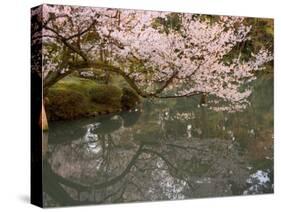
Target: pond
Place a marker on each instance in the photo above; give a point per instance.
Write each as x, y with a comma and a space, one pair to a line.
162, 150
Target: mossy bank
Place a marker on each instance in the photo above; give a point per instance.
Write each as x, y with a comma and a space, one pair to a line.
73, 98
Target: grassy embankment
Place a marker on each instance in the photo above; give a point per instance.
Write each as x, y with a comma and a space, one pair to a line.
75, 97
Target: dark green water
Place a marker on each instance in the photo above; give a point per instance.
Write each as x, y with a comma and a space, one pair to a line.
166, 149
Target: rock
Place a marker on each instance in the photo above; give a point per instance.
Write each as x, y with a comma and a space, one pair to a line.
129, 99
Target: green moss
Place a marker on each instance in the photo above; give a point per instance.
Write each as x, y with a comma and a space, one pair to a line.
106, 94
65, 104
75, 97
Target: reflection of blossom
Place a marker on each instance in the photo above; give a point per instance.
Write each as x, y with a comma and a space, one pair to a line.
260, 177
172, 188
258, 181
188, 130
184, 115
94, 147
166, 185
91, 138
229, 108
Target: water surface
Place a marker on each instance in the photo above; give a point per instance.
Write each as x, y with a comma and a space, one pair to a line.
165, 149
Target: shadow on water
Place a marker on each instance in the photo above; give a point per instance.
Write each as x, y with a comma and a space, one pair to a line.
171, 149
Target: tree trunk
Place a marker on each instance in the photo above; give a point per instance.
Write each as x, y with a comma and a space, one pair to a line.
43, 122
203, 99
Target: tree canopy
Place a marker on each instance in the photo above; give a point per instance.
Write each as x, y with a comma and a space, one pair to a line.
159, 54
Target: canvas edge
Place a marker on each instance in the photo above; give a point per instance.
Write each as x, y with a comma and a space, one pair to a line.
36, 181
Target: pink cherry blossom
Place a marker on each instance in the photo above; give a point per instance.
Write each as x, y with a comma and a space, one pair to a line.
183, 62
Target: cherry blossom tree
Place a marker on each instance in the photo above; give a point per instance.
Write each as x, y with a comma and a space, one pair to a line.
158, 63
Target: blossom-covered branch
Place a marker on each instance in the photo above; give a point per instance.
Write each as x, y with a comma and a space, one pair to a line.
179, 62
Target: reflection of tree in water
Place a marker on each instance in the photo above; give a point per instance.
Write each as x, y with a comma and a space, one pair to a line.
252, 128
137, 163
171, 150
